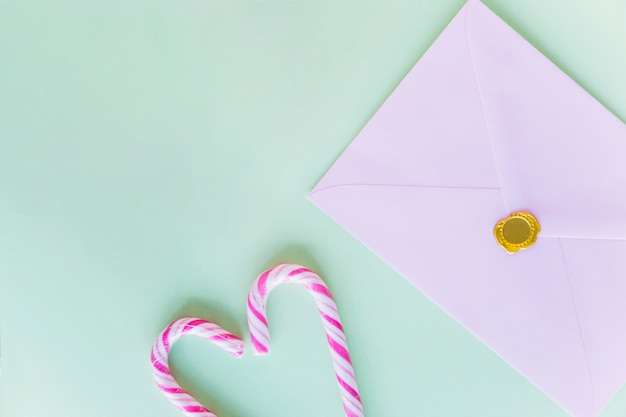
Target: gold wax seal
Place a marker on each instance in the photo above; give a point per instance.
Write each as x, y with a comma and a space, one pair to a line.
516, 232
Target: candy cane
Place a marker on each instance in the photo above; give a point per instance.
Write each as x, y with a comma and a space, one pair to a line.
259, 331
160, 351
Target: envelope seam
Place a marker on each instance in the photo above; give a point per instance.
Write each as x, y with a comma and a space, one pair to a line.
580, 332
481, 101
427, 187
609, 239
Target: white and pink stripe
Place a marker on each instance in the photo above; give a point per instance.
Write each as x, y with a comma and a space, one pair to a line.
160, 352
259, 331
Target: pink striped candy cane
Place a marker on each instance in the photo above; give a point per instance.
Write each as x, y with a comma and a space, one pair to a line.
259, 331
160, 351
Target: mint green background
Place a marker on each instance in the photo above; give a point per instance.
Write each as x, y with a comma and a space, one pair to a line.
154, 158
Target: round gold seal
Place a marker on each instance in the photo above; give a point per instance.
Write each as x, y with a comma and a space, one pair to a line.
516, 232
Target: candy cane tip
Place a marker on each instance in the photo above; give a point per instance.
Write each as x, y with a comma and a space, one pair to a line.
257, 352
237, 348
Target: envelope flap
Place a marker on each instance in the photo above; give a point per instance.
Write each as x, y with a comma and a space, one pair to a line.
559, 153
423, 123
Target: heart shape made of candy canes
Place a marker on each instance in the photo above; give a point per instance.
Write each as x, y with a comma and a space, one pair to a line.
259, 334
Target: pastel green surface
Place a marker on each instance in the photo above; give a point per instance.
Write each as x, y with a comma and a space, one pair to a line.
155, 157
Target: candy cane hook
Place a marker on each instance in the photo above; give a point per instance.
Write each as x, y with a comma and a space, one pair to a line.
160, 352
259, 331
